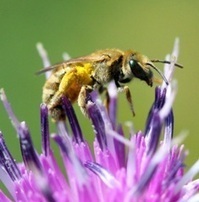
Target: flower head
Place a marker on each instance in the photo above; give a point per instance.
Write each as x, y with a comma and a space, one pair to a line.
142, 168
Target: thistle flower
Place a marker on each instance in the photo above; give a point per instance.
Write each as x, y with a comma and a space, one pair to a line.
141, 168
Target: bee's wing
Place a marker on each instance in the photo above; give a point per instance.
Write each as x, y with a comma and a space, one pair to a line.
46, 69
90, 58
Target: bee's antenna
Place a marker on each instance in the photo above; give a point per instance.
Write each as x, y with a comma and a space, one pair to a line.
167, 62
159, 72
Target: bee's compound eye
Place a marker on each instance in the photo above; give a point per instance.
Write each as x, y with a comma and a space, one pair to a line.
132, 63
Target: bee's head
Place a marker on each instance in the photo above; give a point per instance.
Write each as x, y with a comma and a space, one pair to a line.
139, 66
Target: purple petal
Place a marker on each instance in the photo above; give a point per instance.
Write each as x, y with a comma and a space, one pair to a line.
153, 134
98, 124
169, 127
7, 161
67, 106
105, 158
53, 173
3, 197
103, 174
45, 129
83, 151
120, 148
72, 164
60, 141
8, 109
157, 105
29, 155
112, 108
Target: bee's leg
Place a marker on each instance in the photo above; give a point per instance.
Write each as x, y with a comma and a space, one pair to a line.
103, 89
57, 113
83, 98
55, 107
126, 90
128, 95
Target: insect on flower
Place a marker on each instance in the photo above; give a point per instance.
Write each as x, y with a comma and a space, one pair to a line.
75, 77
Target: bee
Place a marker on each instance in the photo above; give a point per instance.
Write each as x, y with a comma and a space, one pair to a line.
75, 77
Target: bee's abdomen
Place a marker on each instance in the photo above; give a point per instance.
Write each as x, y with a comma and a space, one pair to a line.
51, 87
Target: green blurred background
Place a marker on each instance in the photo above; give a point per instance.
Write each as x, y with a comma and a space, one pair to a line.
81, 27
